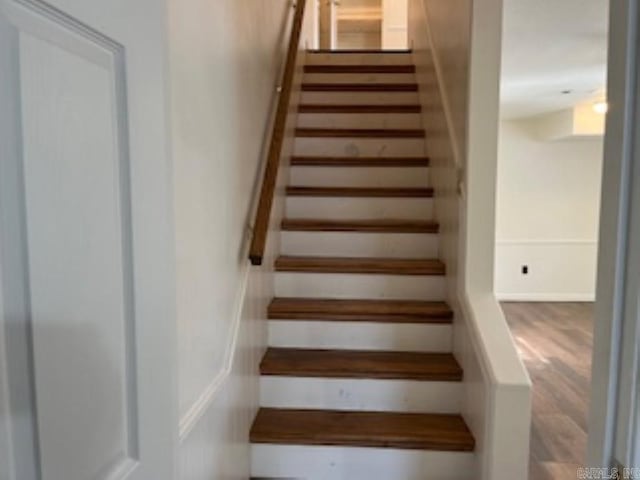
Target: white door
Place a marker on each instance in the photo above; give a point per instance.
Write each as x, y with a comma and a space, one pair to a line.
614, 428
87, 381
395, 24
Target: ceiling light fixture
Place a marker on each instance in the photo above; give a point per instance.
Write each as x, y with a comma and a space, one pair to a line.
601, 107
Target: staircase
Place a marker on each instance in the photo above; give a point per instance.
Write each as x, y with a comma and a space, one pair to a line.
359, 382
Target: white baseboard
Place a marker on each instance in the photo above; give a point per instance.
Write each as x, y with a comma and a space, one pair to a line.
546, 241
560, 270
545, 297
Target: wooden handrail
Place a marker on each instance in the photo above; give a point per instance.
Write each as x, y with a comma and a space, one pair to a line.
263, 213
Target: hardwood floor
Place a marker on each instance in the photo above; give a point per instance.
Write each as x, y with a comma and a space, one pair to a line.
313, 363
410, 431
555, 341
363, 265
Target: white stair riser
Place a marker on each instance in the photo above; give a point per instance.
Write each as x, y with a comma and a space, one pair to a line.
401, 78
359, 208
359, 98
360, 394
341, 335
339, 244
350, 463
359, 120
356, 286
360, 147
359, 59
407, 177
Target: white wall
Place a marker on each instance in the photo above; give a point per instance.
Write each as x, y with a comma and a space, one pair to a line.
226, 58
548, 200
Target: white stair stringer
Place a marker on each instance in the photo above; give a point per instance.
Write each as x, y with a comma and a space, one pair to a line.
360, 120
359, 208
360, 147
360, 394
357, 286
355, 463
342, 335
355, 244
399, 177
359, 98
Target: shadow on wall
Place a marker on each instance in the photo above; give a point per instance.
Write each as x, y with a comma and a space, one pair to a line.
85, 400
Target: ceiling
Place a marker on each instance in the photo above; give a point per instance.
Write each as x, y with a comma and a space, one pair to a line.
554, 55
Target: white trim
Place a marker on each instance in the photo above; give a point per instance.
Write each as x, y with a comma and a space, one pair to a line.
550, 241
546, 297
202, 404
509, 399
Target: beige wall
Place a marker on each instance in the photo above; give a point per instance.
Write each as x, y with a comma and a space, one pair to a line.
225, 60
451, 35
548, 205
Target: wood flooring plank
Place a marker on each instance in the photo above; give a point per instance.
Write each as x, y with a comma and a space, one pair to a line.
365, 226
371, 109
383, 266
377, 192
359, 87
332, 68
400, 311
555, 342
294, 362
360, 133
362, 429
360, 162
347, 51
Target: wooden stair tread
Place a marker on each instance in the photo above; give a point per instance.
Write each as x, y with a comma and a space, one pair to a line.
324, 108
362, 429
383, 266
366, 226
359, 87
360, 133
309, 161
328, 68
296, 191
396, 311
294, 362
357, 51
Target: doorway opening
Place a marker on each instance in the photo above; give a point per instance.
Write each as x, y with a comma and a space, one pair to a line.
362, 24
550, 161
